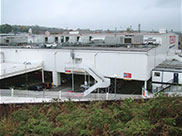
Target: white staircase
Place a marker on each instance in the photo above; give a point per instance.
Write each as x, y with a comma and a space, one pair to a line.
102, 82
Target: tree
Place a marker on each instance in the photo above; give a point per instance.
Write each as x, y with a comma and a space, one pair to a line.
5, 28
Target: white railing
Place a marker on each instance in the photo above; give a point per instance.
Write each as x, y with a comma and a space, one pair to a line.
163, 87
61, 95
19, 69
102, 82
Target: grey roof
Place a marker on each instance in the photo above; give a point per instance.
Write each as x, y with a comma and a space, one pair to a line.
137, 48
170, 65
134, 49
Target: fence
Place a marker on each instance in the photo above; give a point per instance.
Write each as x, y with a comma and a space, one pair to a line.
10, 93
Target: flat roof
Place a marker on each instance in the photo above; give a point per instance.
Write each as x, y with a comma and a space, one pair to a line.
136, 48
91, 34
113, 34
169, 65
133, 49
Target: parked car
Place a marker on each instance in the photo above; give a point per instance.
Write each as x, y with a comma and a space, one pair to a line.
36, 88
86, 85
47, 85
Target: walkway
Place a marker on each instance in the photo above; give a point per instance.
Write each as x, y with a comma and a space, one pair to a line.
24, 96
14, 69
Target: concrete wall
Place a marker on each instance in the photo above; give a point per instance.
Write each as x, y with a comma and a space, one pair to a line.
36, 39
159, 54
14, 39
114, 40
84, 39
109, 63
51, 39
123, 62
164, 40
73, 39
155, 57
2, 57
137, 39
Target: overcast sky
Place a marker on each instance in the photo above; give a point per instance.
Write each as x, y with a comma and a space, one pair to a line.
94, 14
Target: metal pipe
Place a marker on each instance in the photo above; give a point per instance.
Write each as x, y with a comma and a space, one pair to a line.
89, 80
85, 82
72, 75
43, 81
3, 56
115, 87
55, 60
95, 59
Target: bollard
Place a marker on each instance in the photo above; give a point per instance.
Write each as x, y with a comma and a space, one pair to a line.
60, 93
107, 96
12, 91
43, 93
98, 94
145, 93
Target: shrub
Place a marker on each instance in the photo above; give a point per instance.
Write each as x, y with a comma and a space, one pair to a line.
159, 116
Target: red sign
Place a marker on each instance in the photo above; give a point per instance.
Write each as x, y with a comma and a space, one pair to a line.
172, 39
127, 75
68, 71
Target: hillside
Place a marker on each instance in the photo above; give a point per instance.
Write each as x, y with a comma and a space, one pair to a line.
6, 28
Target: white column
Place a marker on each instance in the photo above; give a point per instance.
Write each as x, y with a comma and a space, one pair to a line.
56, 78
43, 76
12, 91
145, 85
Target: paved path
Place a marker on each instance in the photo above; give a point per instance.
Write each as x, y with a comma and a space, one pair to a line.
24, 96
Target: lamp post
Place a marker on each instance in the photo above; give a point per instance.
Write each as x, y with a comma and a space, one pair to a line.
72, 54
72, 75
115, 76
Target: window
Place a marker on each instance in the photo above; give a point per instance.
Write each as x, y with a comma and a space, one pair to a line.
90, 38
77, 39
7, 41
67, 39
46, 39
78, 60
56, 39
157, 74
127, 40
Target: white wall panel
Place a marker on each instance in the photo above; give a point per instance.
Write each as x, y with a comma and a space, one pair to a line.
109, 63
167, 76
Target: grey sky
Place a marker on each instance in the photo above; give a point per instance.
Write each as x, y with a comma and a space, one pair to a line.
94, 14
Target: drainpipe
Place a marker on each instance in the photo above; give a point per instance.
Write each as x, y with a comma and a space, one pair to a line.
95, 67
55, 60
95, 59
3, 56
43, 80
54, 69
